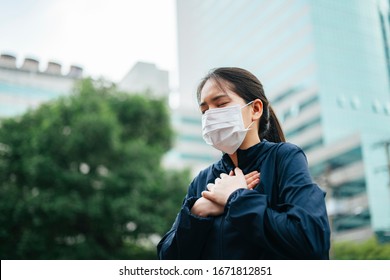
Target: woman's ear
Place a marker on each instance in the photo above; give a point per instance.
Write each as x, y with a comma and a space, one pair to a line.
257, 109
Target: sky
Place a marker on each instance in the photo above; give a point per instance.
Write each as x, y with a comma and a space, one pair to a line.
105, 37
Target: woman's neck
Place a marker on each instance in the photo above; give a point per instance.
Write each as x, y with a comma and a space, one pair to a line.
234, 159
252, 138
234, 156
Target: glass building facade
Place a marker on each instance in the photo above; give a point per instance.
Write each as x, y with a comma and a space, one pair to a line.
17, 99
26, 87
325, 67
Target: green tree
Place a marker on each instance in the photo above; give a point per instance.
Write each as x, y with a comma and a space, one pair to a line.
81, 177
370, 249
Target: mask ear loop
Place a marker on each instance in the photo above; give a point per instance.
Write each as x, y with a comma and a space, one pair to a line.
249, 126
247, 104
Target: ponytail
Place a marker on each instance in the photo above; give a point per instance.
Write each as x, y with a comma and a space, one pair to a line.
270, 128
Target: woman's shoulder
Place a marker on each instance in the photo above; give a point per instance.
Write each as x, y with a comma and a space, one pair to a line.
283, 146
284, 149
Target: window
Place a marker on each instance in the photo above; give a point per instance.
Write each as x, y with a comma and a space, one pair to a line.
387, 109
342, 101
355, 103
376, 106
348, 222
350, 189
303, 127
312, 145
344, 159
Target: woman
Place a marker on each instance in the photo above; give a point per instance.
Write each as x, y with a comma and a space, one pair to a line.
229, 215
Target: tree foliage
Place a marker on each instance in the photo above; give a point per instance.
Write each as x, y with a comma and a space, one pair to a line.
371, 249
80, 177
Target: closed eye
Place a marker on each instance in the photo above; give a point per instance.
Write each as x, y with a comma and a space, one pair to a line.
218, 101
223, 104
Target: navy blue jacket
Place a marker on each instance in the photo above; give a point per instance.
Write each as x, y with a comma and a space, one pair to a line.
284, 217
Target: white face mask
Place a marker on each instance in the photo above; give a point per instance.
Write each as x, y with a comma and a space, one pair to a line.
223, 128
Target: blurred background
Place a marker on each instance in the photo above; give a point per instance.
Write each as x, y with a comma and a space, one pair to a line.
100, 132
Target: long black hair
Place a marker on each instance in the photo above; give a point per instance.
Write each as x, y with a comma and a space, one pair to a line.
249, 88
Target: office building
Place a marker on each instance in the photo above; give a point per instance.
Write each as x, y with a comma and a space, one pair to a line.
145, 77
27, 86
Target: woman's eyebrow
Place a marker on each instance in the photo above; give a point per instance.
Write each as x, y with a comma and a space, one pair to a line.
213, 99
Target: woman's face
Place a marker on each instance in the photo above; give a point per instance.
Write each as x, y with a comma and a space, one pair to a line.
212, 96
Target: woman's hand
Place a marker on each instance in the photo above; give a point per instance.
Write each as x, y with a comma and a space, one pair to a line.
223, 187
211, 205
204, 208
252, 179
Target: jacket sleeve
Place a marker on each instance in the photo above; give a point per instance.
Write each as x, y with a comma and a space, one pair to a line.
296, 227
186, 238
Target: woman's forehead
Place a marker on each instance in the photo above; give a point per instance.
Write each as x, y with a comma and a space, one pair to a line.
214, 87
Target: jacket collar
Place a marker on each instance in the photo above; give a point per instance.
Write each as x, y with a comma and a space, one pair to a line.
248, 160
